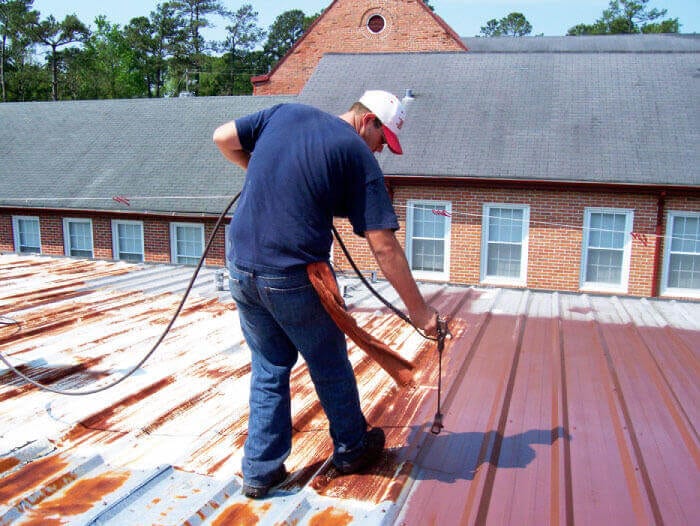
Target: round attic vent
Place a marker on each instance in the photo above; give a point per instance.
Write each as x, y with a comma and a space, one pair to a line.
376, 23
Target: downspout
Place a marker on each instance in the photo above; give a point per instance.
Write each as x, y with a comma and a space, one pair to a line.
660, 208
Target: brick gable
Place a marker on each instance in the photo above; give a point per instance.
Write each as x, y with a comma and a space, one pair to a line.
344, 27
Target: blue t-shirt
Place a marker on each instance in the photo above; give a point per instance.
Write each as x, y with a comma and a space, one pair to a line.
307, 166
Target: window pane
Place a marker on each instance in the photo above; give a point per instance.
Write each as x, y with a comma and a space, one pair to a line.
130, 242
686, 234
604, 266
426, 223
684, 271
505, 225
80, 239
428, 255
606, 240
684, 261
428, 244
504, 243
188, 241
607, 230
503, 260
28, 233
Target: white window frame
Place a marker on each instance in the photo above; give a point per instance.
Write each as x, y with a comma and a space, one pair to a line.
443, 275
227, 243
66, 236
116, 249
665, 289
594, 286
16, 233
521, 279
174, 256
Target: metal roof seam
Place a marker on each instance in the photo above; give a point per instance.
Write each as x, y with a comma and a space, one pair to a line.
562, 397
635, 465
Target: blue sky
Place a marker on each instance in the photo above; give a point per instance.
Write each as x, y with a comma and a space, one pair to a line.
550, 17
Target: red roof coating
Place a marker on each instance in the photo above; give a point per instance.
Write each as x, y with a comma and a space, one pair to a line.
558, 409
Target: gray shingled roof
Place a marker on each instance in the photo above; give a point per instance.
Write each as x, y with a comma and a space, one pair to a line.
624, 118
79, 154
662, 43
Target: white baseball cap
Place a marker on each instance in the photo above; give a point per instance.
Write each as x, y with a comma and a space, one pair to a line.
390, 112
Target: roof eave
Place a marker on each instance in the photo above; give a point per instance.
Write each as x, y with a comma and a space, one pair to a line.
539, 183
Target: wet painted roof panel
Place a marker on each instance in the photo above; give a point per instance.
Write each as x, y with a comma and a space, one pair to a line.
558, 408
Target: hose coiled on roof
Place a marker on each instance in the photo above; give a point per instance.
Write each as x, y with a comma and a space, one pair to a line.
155, 345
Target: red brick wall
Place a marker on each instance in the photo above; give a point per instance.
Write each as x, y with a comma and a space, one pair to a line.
102, 237
6, 241
51, 229
156, 240
217, 252
156, 236
343, 28
555, 232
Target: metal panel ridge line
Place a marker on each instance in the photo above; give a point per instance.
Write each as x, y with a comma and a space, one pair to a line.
500, 429
564, 404
632, 437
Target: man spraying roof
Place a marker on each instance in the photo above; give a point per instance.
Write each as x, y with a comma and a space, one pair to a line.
305, 167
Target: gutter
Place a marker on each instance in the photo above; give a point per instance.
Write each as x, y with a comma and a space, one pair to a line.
146, 214
482, 182
660, 211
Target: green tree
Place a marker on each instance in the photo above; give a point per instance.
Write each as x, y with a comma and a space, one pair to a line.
514, 24
670, 25
16, 18
54, 34
106, 64
242, 35
139, 34
284, 32
628, 16
193, 16
154, 41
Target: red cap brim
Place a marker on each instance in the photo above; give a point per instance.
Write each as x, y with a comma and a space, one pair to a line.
392, 141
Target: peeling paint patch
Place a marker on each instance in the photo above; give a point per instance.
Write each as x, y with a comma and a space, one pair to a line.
6, 464
30, 476
241, 515
101, 421
331, 517
82, 496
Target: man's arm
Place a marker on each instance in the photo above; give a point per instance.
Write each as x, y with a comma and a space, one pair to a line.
393, 264
226, 139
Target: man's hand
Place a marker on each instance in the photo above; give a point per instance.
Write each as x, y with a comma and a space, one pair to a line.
426, 320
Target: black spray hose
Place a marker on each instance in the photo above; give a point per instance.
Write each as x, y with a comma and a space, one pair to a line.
388, 304
442, 325
160, 339
443, 331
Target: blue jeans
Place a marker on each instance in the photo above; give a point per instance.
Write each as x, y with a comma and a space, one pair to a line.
281, 315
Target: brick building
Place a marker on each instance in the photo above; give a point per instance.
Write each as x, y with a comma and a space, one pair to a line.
359, 26
566, 163
562, 165
117, 179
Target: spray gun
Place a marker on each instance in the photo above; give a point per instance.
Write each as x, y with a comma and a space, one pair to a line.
443, 332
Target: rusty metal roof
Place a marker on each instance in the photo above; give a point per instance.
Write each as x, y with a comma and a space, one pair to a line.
558, 408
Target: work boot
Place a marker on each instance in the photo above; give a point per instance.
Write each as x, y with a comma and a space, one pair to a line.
374, 445
258, 492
